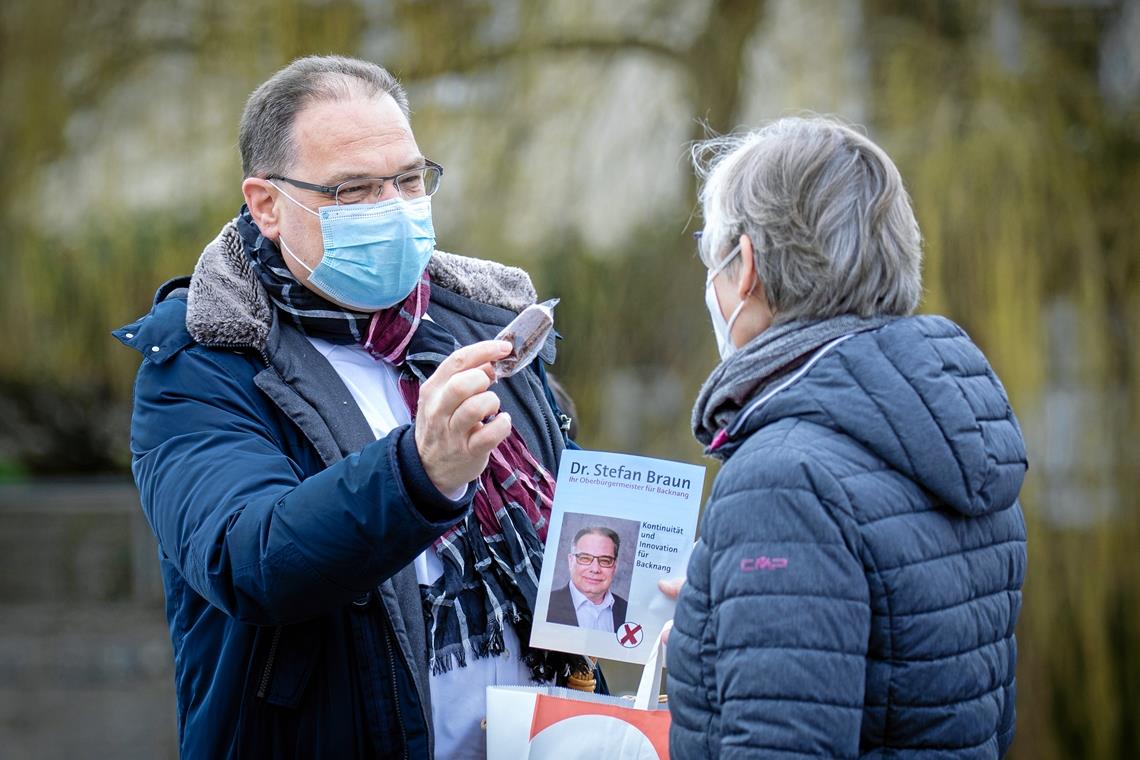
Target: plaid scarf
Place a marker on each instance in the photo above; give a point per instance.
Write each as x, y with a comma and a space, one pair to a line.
301, 307
493, 557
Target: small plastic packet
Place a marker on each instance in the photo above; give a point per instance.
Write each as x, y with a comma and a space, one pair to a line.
527, 334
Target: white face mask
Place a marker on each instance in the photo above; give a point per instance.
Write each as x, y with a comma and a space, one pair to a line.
722, 328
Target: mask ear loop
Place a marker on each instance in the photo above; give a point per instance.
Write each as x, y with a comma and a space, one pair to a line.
740, 306
290, 197
724, 262
737, 310
282, 237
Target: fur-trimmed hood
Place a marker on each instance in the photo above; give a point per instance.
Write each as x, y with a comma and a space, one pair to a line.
227, 305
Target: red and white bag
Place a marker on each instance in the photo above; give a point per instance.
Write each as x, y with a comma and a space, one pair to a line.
551, 723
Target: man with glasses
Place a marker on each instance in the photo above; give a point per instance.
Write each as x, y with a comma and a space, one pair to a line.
338, 493
587, 601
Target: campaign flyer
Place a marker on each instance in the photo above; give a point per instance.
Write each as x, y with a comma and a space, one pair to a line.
618, 525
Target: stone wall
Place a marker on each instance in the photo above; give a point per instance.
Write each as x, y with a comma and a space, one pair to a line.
85, 660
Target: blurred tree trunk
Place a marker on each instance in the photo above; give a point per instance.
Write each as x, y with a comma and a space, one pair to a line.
716, 59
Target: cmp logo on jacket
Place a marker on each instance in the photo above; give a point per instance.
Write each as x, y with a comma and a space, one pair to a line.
757, 564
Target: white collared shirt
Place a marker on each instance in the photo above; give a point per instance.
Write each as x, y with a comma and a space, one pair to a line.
459, 696
600, 617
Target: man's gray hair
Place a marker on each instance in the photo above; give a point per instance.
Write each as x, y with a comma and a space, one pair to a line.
266, 134
830, 222
598, 530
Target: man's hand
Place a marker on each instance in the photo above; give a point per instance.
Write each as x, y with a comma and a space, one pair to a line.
453, 442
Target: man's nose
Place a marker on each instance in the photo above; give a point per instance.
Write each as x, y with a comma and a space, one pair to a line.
388, 191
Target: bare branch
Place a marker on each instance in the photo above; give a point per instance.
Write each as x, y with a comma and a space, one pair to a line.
480, 59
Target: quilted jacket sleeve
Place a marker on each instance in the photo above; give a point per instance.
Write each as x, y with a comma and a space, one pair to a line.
226, 494
789, 610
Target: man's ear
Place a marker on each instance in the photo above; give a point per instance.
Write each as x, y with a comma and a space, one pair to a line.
747, 281
260, 199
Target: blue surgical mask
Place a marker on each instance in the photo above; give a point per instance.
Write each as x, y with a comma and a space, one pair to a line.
374, 254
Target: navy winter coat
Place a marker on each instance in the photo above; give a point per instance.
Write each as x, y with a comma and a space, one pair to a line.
858, 579
286, 532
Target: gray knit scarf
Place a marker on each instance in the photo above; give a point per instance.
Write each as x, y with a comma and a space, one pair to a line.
762, 361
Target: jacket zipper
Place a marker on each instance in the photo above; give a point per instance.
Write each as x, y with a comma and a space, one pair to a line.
261, 691
395, 691
545, 422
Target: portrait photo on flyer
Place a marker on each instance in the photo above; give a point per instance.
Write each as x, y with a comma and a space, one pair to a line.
619, 524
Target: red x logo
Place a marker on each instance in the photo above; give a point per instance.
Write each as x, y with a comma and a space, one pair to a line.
630, 635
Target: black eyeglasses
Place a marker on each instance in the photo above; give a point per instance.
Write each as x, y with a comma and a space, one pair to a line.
605, 561
413, 183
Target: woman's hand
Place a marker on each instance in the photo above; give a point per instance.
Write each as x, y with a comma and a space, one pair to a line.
671, 589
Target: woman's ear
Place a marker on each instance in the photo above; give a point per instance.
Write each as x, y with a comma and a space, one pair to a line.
758, 315
260, 200
747, 281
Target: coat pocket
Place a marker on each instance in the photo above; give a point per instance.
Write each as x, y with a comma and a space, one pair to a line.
287, 658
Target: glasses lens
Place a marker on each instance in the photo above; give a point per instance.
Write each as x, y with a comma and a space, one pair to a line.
359, 191
421, 182
585, 559
432, 176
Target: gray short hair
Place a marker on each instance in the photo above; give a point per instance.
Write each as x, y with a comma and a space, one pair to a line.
830, 221
598, 530
266, 133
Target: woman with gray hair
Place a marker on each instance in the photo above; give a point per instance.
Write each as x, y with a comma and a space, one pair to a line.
858, 579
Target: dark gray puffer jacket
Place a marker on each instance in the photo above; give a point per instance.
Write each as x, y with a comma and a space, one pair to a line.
859, 574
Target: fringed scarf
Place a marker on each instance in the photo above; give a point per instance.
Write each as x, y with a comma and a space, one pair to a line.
493, 557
